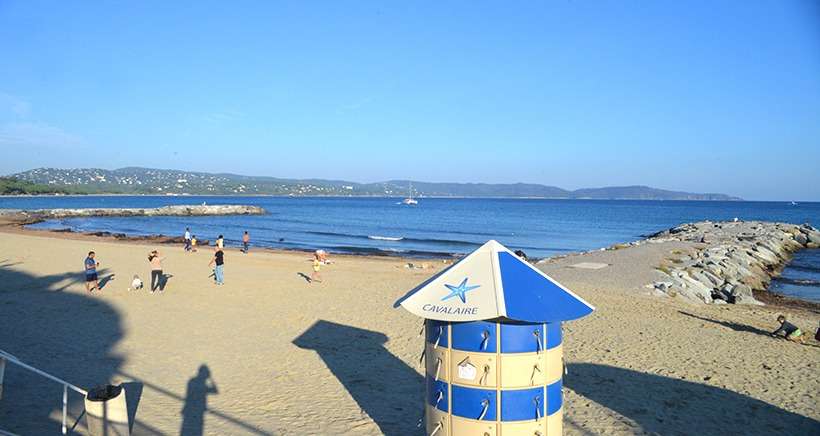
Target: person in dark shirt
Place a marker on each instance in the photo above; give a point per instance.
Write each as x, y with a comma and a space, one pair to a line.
91, 265
817, 335
218, 261
788, 330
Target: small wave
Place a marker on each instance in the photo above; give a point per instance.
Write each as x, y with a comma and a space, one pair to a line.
799, 282
803, 267
388, 238
385, 238
372, 251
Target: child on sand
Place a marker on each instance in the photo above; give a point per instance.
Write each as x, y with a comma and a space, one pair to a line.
788, 330
91, 272
317, 264
136, 283
193, 243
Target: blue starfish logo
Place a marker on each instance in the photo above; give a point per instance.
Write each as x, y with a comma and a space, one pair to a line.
459, 291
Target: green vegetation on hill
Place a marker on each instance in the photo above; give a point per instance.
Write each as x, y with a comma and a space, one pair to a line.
14, 186
175, 182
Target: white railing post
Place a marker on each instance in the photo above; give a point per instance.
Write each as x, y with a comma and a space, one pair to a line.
6, 357
2, 371
65, 406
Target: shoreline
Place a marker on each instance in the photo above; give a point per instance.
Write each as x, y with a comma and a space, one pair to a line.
19, 228
413, 262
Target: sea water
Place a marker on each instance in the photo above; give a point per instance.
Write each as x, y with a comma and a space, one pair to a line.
438, 227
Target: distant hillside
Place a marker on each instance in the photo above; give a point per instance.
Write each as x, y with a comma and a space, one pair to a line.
14, 186
644, 193
134, 180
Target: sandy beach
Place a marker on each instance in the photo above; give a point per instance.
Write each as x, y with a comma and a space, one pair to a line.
268, 353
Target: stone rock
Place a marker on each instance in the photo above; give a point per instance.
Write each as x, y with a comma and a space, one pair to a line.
801, 238
696, 290
748, 300
814, 237
743, 295
662, 286
178, 210
742, 290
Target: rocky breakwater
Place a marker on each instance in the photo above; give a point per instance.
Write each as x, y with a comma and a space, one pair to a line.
181, 210
727, 261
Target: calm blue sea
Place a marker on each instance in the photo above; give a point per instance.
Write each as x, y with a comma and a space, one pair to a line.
439, 227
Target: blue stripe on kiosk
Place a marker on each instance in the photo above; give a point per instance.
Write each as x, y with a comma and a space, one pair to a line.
554, 397
476, 336
523, 404
493, 346
553, 334
437, 332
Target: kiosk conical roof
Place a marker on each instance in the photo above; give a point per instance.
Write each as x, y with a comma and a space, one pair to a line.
493, 282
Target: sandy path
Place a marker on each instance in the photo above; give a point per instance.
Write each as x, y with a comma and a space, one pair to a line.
335, 358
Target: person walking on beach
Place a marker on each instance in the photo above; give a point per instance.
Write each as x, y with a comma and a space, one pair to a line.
246, 241
193, 243
788, 330
187, 239
317, 265
91, 265
157, 278
218, 262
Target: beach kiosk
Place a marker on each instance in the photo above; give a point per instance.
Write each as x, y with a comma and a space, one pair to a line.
493, 352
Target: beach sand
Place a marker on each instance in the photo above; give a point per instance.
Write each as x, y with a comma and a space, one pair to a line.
292, 358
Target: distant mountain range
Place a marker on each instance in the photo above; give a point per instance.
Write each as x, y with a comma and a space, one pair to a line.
133, 180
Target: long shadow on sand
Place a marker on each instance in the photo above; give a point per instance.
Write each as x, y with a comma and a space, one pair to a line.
196, 402
386, 388
668, 406
728, 324
72, 336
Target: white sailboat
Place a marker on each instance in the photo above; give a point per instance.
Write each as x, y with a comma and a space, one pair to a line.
410, 201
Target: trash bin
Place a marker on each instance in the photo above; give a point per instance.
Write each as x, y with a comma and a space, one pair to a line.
106, 412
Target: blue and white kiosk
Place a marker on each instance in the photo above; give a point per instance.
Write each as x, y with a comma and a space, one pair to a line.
493, 346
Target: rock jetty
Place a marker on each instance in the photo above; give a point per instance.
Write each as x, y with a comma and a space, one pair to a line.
181, 210
727, 261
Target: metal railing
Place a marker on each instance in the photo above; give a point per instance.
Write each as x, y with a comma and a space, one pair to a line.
6, 357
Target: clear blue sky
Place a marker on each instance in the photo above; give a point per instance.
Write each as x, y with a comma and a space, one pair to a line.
711, 96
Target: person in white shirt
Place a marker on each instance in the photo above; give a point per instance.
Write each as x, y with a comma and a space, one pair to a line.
187, 239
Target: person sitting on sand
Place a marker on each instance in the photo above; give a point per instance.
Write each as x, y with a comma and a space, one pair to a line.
91, 272
788, 330
246, 241
317, 264
157, 277
136, 284
218, 262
